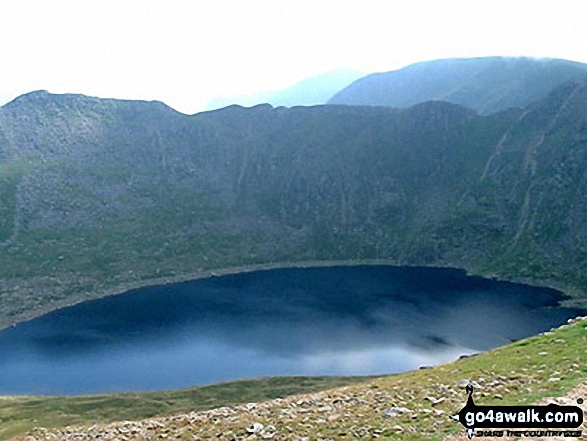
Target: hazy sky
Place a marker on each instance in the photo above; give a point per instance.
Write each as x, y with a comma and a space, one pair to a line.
187, 52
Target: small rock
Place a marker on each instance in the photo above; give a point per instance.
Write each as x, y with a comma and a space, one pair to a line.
463, 383
395, 411
255, 428
268, 432
435, 401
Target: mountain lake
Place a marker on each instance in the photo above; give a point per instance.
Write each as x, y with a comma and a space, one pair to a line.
343, 320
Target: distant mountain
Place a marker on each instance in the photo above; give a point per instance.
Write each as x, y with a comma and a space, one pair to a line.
100, 195
486, 85
309, 92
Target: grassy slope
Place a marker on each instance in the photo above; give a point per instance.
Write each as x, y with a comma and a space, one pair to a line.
19, 414
522, 371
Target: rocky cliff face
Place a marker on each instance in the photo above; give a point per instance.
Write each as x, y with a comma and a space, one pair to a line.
97, 194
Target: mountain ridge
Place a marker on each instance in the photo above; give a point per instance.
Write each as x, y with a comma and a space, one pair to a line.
486, 84
311, 91
102, 194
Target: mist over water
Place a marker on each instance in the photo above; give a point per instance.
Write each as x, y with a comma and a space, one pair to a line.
299, 321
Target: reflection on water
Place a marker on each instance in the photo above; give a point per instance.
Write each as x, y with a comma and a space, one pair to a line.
302, 321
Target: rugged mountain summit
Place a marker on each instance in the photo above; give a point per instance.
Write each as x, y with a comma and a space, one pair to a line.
488, 85
98, 195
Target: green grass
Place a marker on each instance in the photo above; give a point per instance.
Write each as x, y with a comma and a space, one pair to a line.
19, 414
10, 175
524, 368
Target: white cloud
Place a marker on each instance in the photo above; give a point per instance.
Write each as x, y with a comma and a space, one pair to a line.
187, 52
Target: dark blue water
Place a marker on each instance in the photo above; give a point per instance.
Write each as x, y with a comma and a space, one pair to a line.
310, 321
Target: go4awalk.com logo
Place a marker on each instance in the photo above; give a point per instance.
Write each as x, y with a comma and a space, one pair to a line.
510, 420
